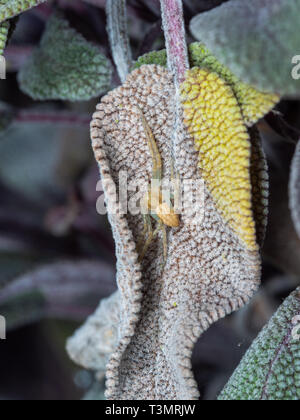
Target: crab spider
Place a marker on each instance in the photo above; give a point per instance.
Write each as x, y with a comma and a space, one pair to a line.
153, 206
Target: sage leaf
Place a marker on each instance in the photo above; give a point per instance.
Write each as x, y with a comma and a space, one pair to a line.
258, 40
65, 66
11, 8
270, 370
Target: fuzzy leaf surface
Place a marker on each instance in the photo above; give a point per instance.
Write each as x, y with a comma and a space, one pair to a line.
256, 39
65, 66
270, 369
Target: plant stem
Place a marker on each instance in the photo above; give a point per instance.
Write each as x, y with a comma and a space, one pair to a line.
118, 36
177, 53
173, 25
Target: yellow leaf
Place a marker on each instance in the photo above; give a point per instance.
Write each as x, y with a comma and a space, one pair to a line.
213, 117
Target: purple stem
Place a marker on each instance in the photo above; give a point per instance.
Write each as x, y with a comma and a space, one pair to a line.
173, 25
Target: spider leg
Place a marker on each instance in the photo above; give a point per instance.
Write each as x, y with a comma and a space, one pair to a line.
147, 237
176, 195
165, 241
155, 195
146, 227
156, 157
163, 229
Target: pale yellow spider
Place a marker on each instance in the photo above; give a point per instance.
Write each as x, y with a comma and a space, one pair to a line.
153, 207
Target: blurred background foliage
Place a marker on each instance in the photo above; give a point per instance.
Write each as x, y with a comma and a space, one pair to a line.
57, 254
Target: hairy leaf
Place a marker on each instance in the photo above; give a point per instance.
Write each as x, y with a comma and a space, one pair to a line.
256, 39
4, 28
208, 272
224, 164
254, 104
65, 66
270, 369
92, 344
11, 8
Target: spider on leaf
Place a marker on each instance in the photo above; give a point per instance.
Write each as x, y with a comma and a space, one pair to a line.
154, 207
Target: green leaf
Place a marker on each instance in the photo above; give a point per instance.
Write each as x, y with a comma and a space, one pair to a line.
4, 28
270, 369
254, 104
154, 57
11, 8
65, 66
256, 39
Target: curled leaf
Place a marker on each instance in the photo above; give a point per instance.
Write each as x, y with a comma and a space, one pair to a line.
92, 345
65, 66
208, 273
270, 370
254, 104
256, 39
11, 8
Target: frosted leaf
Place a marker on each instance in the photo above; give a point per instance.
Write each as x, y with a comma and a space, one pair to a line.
209, 272
256, 39
270, 370
92, 344
4, 28
65, 66
11, 8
